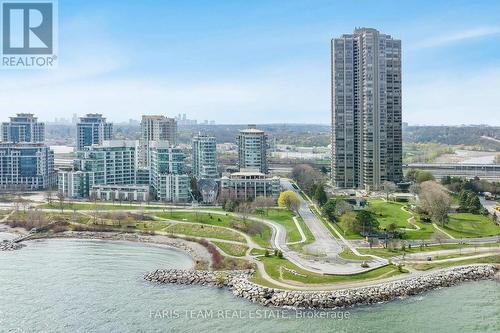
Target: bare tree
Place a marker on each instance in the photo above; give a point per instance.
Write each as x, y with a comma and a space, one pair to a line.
435, 201
119, 217
342, 207
244, 209
263, 203
60, 197
389, 188
49, 196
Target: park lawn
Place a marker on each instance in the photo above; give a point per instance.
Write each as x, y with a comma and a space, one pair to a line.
348, 254
236, 250
199, 230
387, 212
285, 218
470, 225
387, 253
199, 217
262, 239
272, 266
494, 259
257, 252
299, 247
152, 225
426, 231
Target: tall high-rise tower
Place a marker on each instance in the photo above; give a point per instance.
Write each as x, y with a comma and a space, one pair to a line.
366, 110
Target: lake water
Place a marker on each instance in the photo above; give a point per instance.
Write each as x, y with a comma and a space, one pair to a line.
97, 286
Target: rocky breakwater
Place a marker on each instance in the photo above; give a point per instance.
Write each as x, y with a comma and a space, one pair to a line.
240, 285
198, 277
10, 246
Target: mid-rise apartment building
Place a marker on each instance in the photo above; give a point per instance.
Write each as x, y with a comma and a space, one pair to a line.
24, 127
252, 149
169, 182
156, 128
26, 166
204, 157
92, 130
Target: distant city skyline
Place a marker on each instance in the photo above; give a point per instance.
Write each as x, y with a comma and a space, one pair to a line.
265, 62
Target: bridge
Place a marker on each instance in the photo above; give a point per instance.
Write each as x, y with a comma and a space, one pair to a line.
489, 172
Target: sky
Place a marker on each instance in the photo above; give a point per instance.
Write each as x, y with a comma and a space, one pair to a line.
259, 61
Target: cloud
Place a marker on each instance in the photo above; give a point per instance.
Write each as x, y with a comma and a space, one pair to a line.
453, 98
456, 37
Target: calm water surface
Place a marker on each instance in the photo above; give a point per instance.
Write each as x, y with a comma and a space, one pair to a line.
97, 286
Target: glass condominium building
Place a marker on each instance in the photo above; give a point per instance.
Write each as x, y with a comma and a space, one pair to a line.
252, 149
26, 166
24, 127
92, 130
204, 157
366, 110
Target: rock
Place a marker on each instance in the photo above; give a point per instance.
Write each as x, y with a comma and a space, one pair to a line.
10, 246
238, 282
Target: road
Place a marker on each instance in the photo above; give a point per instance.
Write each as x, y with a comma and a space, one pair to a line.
325, 248
490, 206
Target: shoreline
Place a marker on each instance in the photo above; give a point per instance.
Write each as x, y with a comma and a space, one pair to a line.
238, 282
195, 251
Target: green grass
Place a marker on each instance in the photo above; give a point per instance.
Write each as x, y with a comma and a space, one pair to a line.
273, 264
285, 218
348, 254
389, 212
426, 231
199, 230
262, 239
495, 259
256, 252
299, 247
457, 255
232, 249
470, 225
387, 253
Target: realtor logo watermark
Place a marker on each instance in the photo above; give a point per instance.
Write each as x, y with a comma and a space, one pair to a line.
29, 34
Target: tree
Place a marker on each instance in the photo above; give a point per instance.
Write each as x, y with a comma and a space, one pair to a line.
307, 177
419, 176
366, 221
473, 204
48, 196
435, 201
389, 188
60, 197
349, 222
392, 227
260, 203
320, 195
423, 176
244, 209
342, 207
290, 200
329, 209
